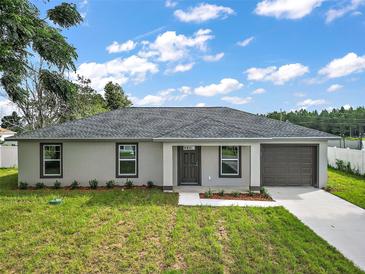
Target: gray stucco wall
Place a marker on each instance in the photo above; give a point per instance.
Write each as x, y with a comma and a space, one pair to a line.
210, 168
86, 160
83, 161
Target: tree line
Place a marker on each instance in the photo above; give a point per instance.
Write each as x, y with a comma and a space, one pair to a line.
35, 63
343, 122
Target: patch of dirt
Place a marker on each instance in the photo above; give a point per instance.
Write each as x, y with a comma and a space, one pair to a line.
241, 196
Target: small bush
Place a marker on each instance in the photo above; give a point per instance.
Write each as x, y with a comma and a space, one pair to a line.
263, 191
340, 164
39, 185
74, 184
221, 193
150, 184
328, 188
110, 184
57, 185
93, 184
346, 167
208, 194
236, 194
23, 185
128, 183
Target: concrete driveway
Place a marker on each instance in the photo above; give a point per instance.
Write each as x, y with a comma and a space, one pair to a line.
339, 222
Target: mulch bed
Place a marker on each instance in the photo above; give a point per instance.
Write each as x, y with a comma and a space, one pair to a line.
84, 188
241, 196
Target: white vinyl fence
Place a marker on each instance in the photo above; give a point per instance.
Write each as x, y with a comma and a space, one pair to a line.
8, 156
354, 144
354, 156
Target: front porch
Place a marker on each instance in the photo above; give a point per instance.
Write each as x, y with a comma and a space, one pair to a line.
206, 167
202, 189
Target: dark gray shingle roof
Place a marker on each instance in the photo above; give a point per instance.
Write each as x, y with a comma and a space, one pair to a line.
173, 122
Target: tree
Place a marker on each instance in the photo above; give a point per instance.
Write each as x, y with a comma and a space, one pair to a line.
38, 88
12, 122
347, 122
115, 97
85, 101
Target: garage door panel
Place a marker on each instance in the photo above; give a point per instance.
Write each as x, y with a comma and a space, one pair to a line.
288, 165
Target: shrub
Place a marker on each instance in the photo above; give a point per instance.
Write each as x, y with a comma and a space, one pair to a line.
150, 184
110, 184
236, 194
208, 194
221, 193
263, 191
39, 185
328, 188
74, 184
93, 184
340, 164
129, 183
346, 167
57, 185
23, 185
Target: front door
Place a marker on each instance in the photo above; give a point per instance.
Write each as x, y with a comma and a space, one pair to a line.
189, 165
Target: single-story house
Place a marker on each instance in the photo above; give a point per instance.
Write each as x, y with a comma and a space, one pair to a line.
178, 148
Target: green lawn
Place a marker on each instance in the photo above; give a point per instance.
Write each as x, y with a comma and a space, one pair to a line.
347, 186
138, 230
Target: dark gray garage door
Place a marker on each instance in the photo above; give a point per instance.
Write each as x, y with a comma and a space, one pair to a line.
286, 165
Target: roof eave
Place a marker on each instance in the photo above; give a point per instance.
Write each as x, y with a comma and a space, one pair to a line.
318, 138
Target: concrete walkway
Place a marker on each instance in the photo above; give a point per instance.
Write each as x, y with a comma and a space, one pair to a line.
193, 199
337, 221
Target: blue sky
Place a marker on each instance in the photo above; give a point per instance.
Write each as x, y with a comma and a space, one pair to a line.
258, 56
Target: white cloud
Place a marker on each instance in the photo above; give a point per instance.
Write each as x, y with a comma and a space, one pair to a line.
334, 14
83, 7
6, 107
170, 3
278, 76
237, 100
334, 88
203, 12
311, 102
185, 90
183, 67
213, 58
350, 63
299, 94
133, 68
120, 47
170, 47
288, 9
150, 100
200, 105
246, 41
347, 106
225, 86
160, 98
356, 13
259, 91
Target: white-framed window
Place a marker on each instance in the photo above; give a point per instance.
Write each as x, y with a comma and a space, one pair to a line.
127, 160
229, 160
51, 160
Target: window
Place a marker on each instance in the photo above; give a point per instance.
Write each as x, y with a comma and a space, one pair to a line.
51, 160
127, 161
229, 161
